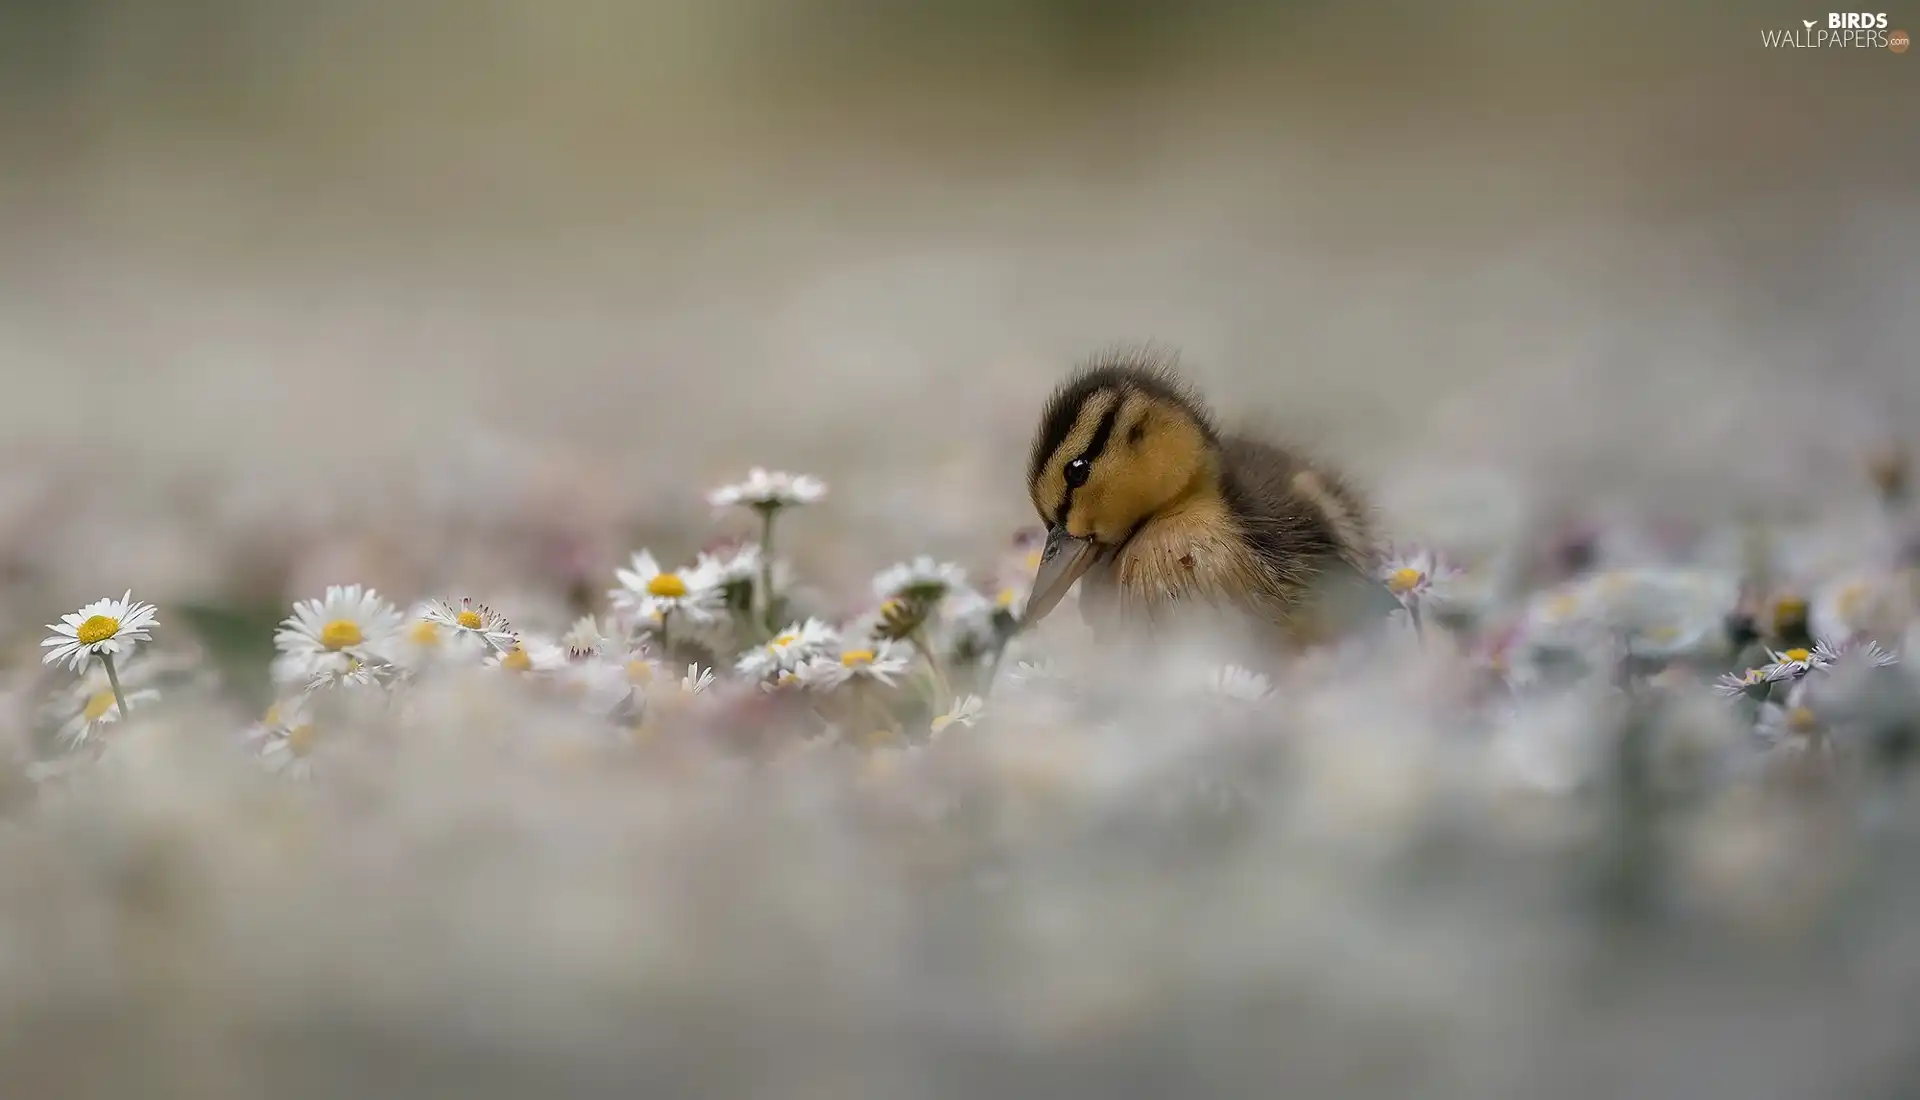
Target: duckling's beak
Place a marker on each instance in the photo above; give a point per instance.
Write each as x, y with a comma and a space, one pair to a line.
1062, 561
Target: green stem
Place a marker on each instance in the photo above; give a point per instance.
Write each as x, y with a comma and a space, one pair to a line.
113, 681
943, 692
763, 592
666, 642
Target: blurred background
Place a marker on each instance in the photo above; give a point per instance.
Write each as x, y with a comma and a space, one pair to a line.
329, 250
473, 297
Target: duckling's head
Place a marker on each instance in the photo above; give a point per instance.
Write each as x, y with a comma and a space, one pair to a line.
1119, 442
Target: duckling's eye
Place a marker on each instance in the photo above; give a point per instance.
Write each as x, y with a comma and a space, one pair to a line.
1077, 471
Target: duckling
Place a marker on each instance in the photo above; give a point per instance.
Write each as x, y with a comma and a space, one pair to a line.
1155, 510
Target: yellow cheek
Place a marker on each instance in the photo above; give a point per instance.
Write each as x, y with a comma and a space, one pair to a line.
1088, 518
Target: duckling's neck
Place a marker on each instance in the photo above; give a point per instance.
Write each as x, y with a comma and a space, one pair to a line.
1188, 549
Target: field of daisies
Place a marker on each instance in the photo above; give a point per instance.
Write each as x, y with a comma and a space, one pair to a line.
1607, 808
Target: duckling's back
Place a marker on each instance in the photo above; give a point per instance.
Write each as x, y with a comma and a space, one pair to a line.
1312, 533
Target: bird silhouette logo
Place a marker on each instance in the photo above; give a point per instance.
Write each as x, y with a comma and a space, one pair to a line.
1809, 23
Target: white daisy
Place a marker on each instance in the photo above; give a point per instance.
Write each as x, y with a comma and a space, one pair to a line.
920, 579
284, 739
975, 623
101, 710
103, 628
641, 670
1853, 606
1863, 653
353, 673
425, 644
1666, 613
781, 682
1733, 685
1240, 684
1784, 614
731, 565
1779, 723
327, 635
1563, 617
601, 686
696, 680
648, 592
965, 711
883, 662
589, 637
530, 653
1410, 573
1035, 673
769, 489
1012, 599
1664, 641
470, 619
788, 650
1793, 663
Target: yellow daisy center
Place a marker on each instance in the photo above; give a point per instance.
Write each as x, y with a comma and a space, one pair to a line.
639, 672
1797, 654
784, 640
97, 629
470, 619
1789, 608
667, 586
1404, 580
98, 704
942, 722
857, 658
341, 633
1006, 597
1801, 720
517, 661
425, 633
300, 739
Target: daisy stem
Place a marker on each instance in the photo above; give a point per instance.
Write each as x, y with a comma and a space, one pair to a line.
942, 692
113, 681
666, 640
763, 592
1419, 630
